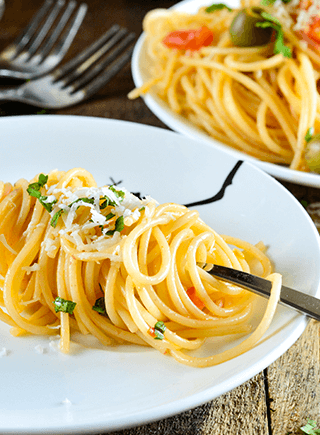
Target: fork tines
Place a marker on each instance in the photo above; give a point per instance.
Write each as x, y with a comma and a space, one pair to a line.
55, 22
95, 66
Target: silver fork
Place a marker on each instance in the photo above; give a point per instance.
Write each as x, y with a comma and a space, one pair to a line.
44, 42
81, 77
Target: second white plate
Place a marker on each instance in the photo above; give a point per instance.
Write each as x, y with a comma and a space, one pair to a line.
141, 73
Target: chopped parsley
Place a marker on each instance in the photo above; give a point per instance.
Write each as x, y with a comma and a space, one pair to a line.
119, 193
34, 190
271, 2
217, 7
309, 134
86, 200
273, 22
106, 202
119, 226
55, 218
109, 216
311, 428
64, 305
100, 306
159, 329
42, 181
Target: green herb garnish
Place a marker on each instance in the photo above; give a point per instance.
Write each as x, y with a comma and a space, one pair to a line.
271, 2
159, 329
119, 226
309, 134
34, 190
311, 428
42, 180
57, 215
109, 216
119, 193
217, 7
84, 199
64, 305
107, 201
100, 306
274, 23
55, 218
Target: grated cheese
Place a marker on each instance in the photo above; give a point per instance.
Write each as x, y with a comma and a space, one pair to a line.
39, 349
292, 15
305, 16
3, 352
283, 14
86, 236
67, 402
32, 268
3, 240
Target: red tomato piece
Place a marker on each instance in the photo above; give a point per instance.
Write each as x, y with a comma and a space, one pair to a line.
314, 30
151, 332
305, 4
312, 34
191, 292
189, 39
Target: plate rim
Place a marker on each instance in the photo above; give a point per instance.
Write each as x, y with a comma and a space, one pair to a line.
182, 126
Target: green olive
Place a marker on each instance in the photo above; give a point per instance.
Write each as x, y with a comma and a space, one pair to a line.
243, 29
312, 154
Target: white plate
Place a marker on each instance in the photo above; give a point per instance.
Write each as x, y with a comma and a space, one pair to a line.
112, 388
141, 73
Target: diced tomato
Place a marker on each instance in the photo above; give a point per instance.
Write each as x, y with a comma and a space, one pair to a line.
314, 30
312, 43
305, 4
191, 292
312, 34
151, 332
189, 39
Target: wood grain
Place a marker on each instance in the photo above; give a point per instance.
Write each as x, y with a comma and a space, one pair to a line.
294, 384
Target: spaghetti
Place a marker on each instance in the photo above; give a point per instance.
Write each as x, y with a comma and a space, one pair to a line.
101, 261
252, 98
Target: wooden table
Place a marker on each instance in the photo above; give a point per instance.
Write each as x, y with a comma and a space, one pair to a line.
286, 394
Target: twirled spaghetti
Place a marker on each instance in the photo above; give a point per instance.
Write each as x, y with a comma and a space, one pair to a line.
251, 98
101, 261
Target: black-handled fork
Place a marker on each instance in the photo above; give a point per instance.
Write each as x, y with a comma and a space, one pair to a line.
301, 302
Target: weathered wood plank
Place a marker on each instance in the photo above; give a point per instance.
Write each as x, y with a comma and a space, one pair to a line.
294, 384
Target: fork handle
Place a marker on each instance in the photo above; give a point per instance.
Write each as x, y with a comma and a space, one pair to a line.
300, 301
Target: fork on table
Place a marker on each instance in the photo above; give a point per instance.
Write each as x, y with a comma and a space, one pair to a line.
79, 78
44, 42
